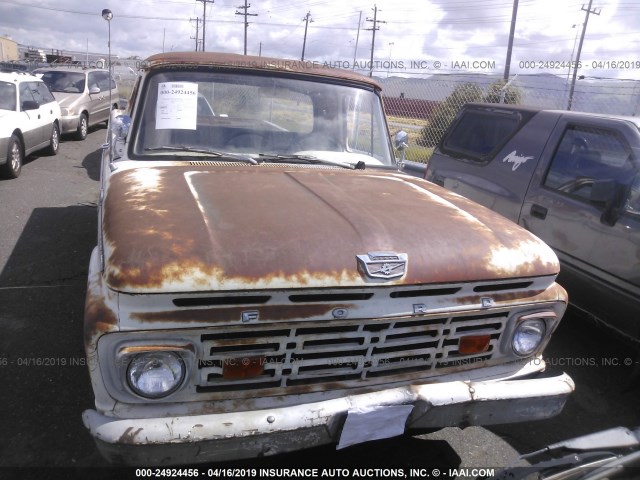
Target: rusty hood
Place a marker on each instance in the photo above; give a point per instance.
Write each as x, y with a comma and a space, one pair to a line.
187, 229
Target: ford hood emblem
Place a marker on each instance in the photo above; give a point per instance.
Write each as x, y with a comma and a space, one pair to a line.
383, 265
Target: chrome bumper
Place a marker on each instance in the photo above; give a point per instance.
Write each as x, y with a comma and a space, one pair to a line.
236, 435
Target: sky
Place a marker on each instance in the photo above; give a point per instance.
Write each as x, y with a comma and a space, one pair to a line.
417, 38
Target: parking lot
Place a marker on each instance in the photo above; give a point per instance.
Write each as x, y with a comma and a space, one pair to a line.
47, 232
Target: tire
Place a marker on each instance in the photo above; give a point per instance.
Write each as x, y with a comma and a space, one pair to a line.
54, 141
83, 127
12, 168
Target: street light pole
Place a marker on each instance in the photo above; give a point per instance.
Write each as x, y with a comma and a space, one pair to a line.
107, 15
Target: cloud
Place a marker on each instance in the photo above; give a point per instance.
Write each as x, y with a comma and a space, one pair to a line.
431, 30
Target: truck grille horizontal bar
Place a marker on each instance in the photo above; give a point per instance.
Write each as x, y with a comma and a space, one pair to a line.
338, 354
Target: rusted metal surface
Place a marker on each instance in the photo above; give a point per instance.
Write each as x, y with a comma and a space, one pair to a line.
160, 312
331, 357
223, 314
436, 405
291, 294
184, 228
98, 317
248, 62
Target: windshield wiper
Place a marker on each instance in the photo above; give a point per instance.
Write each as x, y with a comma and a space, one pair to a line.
205, 151
293, 158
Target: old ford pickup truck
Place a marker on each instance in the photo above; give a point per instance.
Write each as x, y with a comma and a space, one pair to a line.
266, 279
572, 179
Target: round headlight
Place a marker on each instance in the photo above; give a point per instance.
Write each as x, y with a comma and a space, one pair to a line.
528, 336
155, 374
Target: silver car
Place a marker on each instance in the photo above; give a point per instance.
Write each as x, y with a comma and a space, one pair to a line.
85, 96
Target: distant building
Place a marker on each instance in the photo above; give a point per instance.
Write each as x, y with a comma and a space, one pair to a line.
8, 50
34, 55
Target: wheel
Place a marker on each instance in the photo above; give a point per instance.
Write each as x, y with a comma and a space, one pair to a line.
12, 168
83, 127
54, 141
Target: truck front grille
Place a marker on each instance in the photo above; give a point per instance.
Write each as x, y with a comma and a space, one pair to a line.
330, 355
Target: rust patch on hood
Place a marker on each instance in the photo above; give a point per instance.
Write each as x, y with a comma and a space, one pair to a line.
183, 228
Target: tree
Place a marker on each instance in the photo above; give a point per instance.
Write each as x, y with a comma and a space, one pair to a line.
512, 94
444, 114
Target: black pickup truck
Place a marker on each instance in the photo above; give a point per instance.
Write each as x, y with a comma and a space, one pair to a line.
572, 179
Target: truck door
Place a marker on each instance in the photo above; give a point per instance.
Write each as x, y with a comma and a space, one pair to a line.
583, 201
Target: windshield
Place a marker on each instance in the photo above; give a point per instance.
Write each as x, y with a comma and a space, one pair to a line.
7, 96
68, 82
268, 118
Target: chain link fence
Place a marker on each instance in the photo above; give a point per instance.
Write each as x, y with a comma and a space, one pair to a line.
425, 108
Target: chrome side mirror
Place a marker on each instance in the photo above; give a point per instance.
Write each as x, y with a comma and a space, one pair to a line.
117, 137
401, 143
402, 140
121, 126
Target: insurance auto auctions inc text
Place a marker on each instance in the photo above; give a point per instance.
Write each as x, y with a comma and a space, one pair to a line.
368, 473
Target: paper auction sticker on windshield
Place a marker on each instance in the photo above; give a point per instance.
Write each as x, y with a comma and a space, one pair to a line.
177, 105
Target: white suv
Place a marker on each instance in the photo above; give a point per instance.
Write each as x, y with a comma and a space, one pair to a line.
29, 120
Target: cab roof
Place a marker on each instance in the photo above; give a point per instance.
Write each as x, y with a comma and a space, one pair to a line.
533, 110
249, 62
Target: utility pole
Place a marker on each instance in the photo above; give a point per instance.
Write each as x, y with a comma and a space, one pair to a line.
307, 18
355, 51
514, 16
373, 39
204, 21
246, 24
595, 11
197, 20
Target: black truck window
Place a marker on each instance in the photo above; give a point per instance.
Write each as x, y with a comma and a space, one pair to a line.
479, 133
587, 155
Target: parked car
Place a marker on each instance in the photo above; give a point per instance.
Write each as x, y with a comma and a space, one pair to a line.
86, 96
572, 179
266, 280
29, 120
